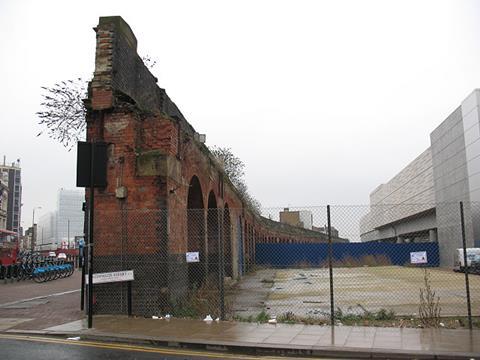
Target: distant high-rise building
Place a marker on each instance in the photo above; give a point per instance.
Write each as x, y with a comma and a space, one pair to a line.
3, 200
12, 174
299, 218
47, 230
59, 228
69, 215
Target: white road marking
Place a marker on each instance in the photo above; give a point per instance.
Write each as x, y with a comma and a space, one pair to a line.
38, 297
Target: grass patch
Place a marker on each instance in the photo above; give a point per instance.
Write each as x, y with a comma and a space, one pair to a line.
261, 317
288, 318
349, 318
201, 302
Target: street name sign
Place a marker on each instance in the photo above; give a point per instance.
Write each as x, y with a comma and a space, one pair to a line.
117, 276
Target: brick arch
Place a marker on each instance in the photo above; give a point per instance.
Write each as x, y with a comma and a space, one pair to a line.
212, 233
212, 194
204, 178
195, 194
227, 241
196, 232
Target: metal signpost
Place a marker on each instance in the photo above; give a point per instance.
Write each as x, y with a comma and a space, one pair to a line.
91, 173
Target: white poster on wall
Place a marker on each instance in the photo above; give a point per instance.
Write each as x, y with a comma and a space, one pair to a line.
418, 257
193, 257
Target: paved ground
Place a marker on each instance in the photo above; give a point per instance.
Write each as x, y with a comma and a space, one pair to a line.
305, 292
344, 341
33, 347
14, 291
59, 315
32, 306
251, 293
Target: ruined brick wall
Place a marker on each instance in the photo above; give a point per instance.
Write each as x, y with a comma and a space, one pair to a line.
144, 219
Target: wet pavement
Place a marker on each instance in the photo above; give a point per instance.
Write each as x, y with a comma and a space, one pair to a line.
306, 339
251, 293
28, 347
58, 314
27, 305
41, 313
20, 290
306, 292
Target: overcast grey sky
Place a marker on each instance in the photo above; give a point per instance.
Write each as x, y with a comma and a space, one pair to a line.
322, 100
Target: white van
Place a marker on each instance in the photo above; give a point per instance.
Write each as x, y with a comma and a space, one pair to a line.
473, 259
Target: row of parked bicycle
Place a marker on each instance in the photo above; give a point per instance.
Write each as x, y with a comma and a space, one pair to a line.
37, 270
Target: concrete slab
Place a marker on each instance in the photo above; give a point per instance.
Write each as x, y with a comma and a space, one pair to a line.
347, 341
72, 326
251, 293
8, 323
306, 292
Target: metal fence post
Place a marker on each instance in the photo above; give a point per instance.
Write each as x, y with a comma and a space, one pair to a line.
91, 208
221, 276
129, 298
465, 267
330, 269
82, 291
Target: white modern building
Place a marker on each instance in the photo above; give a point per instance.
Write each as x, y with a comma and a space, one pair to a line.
421, 202
47, 230
58, 228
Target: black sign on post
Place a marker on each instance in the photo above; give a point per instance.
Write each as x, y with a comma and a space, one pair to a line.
91, 173
84, 156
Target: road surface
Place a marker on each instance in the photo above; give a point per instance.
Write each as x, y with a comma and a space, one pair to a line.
20, 347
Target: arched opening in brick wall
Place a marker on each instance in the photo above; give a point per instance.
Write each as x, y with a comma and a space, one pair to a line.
196, 233
212, 234
248, 245
227, 245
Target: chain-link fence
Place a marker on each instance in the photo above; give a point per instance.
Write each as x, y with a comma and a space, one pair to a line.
372, 265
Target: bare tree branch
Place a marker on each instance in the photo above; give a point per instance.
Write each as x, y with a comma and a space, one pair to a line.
63, 112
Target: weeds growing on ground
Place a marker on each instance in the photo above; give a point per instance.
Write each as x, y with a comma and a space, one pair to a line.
367, 260
263, 317
380, 315
201, 302
288, 318
429, 309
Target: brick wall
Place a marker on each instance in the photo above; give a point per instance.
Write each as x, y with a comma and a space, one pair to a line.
154, 155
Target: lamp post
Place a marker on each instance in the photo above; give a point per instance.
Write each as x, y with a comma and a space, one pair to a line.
68, 234
32, 245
